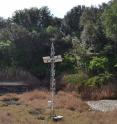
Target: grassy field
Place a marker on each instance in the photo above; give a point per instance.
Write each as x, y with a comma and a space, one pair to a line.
31, 108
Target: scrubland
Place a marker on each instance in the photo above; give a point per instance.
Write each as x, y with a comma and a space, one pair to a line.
31, 108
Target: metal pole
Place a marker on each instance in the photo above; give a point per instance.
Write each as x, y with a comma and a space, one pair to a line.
52, 78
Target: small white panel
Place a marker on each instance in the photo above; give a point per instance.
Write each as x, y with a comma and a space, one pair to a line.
47, 59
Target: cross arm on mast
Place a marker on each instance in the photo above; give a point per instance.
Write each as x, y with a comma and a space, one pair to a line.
48, 59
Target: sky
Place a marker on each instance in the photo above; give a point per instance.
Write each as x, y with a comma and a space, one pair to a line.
57, 7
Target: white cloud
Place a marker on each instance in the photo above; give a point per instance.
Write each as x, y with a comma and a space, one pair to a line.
57, 7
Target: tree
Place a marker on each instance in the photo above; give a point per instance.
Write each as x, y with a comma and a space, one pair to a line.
6, 51
93, 35
110, 23
71, 21
34, 18
110, 17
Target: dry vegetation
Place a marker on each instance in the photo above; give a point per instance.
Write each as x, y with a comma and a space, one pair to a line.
32, 109
104, 92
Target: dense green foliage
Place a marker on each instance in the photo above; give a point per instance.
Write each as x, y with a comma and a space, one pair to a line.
110, 19
86, 38
99, 80
98, 64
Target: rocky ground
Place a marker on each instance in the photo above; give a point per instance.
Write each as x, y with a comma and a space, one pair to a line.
103, 105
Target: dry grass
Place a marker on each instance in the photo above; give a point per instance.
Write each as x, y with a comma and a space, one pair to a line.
34, 109
10, 96
36, 99
71, 101
67, 100
29, 96
105, 92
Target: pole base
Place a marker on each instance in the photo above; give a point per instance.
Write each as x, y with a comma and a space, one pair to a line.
57, 117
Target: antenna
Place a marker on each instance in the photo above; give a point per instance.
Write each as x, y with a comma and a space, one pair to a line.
53, 59
52, 76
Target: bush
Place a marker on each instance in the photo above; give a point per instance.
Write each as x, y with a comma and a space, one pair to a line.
98, 63
99, 79
79, 78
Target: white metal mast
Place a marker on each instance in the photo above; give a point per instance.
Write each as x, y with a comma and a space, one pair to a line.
52, 59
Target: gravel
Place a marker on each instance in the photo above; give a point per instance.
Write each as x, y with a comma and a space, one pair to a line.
103, 105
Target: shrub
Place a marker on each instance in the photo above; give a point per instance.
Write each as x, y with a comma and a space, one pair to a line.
98, 63
99, 79
79, 78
